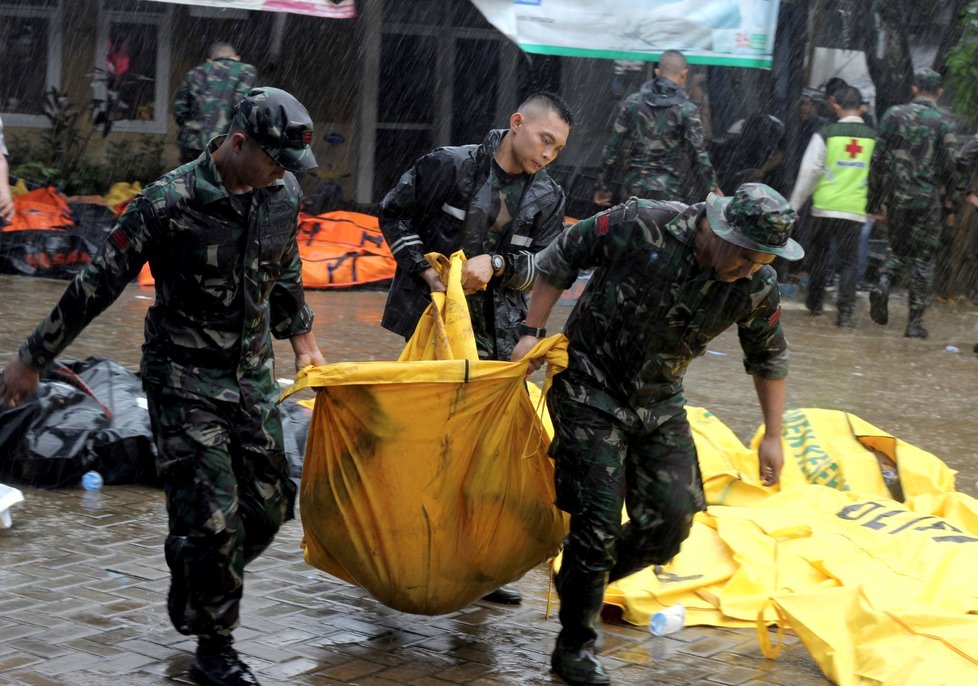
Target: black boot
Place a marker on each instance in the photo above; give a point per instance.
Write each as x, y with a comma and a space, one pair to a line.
879, 299
218, 664
915, 328
504, 595
579, 667
581, 599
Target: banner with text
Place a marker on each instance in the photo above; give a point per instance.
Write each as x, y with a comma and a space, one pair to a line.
335, 9
736, 33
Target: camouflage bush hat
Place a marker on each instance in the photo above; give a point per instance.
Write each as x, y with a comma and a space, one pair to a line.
927, 80
280, 125
758, 218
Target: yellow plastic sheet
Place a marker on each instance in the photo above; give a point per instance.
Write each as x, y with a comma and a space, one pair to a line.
426, 481
880, 592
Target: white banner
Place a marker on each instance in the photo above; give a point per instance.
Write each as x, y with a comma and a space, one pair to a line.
737, 33
335, 9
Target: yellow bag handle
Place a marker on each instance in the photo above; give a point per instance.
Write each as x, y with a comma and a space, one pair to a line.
769, 650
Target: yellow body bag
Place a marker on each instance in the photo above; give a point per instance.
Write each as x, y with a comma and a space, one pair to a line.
426, 481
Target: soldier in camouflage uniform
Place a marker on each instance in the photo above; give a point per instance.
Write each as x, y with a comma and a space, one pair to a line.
220, 236
668, 279
654, 128
912, 162
207, 98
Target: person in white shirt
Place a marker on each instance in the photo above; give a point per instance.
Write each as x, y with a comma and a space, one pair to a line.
834, 173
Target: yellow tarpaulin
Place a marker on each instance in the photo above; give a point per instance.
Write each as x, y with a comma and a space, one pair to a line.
880, 592
426, 481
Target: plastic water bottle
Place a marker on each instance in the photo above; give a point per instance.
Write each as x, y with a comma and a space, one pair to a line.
668, 621
91, 481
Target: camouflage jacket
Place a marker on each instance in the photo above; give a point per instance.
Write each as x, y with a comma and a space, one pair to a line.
654, 128
914, 157
445, 198
649, 309
207, 98
227, 276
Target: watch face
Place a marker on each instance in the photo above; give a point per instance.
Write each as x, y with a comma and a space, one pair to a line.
497, 263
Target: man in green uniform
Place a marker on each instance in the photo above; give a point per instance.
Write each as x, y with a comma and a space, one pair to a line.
668, 279
652, 132
912, 163
207, 97
220, 236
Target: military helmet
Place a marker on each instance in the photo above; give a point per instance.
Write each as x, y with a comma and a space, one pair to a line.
278, 123
758, 218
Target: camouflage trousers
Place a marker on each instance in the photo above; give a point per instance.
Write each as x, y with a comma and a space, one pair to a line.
914, 237
228, 491
602, 465
651, 187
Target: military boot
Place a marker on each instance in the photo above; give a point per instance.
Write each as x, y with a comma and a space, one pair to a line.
581, 599
915, 328
879, 300
579, 667
218, 664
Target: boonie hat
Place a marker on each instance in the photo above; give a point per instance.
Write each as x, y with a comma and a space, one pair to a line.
927, 80
758, 218
279, 124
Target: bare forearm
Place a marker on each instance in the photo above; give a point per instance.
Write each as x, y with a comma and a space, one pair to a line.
542, 301
770, 395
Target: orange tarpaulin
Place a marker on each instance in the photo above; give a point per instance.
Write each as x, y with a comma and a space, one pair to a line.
338, 250
41, 208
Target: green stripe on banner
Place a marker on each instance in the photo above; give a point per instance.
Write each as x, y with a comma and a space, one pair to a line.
759, 62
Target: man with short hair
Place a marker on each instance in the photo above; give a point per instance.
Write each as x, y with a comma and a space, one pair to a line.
834, 173
652, 132
913, 161
220, 236
668, 279
496, 203
207, 97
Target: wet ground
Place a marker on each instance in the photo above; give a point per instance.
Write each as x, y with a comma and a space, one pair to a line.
83, 581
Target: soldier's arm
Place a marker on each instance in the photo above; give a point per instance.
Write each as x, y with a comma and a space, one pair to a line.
289, 315
621, 133
770, 453
879, 166
945, 157
183, 103
94, 288
766, 360
427, 181
696, 140
520, 269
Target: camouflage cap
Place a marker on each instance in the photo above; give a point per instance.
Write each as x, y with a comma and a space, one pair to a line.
279, 124
758, 218
927, 80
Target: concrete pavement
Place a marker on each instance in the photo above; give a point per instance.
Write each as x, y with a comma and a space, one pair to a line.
82, 603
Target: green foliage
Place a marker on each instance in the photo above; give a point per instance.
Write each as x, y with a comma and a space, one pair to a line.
57, 155
962, 64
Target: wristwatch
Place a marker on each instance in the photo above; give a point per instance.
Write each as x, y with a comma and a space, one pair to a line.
498, 263
525, 330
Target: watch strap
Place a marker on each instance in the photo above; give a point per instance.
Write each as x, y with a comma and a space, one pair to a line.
525, 330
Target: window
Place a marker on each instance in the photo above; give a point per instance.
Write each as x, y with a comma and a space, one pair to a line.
30, 52
132, 64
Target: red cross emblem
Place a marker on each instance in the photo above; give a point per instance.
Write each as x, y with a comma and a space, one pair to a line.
853, 149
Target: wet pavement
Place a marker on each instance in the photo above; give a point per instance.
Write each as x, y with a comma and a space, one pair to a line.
83, 579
